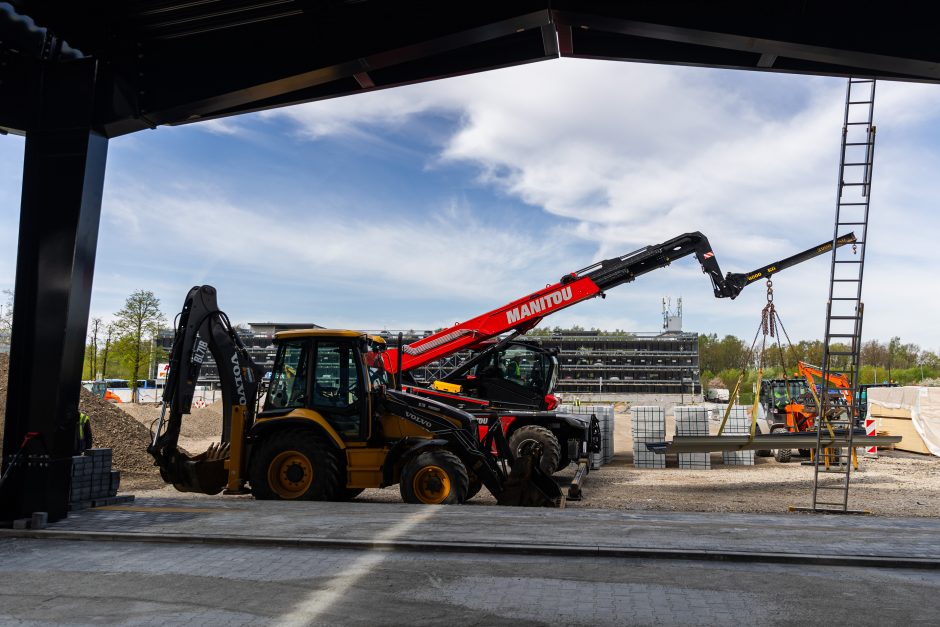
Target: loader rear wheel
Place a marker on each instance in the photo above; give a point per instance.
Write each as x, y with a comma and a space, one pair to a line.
294, 465
434, 478
523, 437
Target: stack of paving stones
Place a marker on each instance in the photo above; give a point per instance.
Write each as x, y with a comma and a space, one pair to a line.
649, 425
739, 423
605, 419
94, 483
692, 421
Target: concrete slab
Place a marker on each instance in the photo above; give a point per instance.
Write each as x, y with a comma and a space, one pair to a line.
748, 537
55, 582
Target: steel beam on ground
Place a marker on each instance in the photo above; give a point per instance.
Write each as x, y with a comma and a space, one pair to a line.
709, 443
63, 177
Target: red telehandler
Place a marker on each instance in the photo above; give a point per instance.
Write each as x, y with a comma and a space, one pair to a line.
516, 378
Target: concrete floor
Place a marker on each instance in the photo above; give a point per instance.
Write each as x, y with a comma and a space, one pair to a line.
176, 561
76, 583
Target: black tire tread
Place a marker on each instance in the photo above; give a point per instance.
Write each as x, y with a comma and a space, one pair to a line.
551, 448
438, 457
324, 459
782, 455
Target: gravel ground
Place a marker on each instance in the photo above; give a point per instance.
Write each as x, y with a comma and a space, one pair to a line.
895, 484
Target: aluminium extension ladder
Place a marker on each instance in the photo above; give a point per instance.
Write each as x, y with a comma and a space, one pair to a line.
832, 465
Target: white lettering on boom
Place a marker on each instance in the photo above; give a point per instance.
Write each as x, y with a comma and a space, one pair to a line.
539, 305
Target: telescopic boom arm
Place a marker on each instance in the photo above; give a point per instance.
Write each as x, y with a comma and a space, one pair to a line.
525, 313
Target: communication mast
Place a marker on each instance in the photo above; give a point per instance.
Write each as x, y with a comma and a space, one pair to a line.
672, 320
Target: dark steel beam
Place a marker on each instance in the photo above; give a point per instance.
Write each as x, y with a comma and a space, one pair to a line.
763, 48
63, 177
272, 89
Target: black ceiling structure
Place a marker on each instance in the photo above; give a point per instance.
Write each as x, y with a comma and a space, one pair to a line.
75, 74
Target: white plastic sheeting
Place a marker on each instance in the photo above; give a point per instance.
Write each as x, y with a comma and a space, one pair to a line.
923, 405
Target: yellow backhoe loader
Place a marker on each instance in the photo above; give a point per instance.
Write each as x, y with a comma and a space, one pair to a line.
330, 426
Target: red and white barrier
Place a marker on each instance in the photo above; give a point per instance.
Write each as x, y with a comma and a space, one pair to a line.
870, 429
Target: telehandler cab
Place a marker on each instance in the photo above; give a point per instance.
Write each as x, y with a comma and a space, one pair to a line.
330, 425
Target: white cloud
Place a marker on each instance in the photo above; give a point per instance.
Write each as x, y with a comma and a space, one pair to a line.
635, 154
319, 257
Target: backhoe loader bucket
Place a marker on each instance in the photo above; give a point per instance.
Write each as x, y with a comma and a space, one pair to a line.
204, 473
528, 486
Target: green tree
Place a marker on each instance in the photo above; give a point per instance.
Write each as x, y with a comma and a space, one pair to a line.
91, 351
109, 331
136, 324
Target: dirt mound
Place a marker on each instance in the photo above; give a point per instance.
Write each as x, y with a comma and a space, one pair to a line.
202, 423
205, 422
111, 428
114, 429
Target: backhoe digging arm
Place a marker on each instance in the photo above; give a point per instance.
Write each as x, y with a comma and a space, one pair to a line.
203, 329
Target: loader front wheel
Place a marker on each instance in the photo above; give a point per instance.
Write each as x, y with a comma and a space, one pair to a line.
434, 478
294, 465
524, 437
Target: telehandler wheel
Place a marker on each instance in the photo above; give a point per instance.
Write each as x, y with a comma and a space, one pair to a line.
435, 477
551, 449
294, 464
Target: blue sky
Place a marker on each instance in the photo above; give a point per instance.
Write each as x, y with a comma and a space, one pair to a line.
425, 205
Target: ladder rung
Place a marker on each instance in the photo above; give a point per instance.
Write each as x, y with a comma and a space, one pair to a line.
856, 81
851, 224
846, 280
859, 163
841, 335
847, 261
844, 184
833, 504
845, 298
854, 124
852, 204
858, 143
860, 102
845, 317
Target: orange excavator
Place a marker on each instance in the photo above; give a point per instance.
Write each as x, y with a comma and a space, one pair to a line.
800, 413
